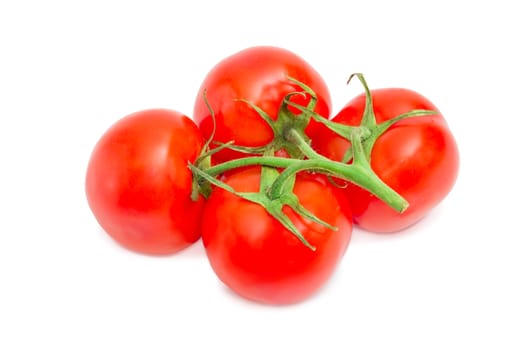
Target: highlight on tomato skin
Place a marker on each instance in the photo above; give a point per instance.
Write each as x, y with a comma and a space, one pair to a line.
257, 258
260, 75
138, 185
417, 157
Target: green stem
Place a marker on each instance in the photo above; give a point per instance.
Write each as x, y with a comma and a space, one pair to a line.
279, 184
292, 137
355, 173
359, 173
276, 162
278, 174
369, 118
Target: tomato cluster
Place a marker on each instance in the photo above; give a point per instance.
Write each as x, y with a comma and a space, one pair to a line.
266, 177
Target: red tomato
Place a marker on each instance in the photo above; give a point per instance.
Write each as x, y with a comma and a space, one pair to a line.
417, 157
138, 184
259, 75
253, 254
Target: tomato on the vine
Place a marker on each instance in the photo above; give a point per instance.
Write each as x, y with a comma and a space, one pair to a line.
259, 75
138, 183
257, 257
417, 157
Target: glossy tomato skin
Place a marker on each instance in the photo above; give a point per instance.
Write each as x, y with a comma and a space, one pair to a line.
257, 257
138, 184
260, 75
417, 157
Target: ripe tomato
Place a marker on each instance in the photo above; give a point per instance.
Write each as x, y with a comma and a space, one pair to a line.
417, 157
259, 75
138, 184
254, 255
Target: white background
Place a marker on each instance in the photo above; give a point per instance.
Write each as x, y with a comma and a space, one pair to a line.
69, 69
